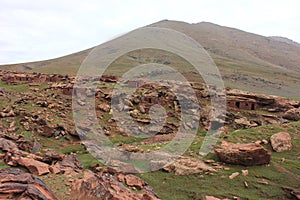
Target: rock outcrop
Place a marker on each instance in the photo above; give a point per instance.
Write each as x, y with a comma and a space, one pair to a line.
243, 154
15, 184
281, 142
107, 186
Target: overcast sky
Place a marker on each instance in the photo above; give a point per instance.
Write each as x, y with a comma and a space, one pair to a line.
33, 30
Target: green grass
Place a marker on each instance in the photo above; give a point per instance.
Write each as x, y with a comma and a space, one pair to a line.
277, 174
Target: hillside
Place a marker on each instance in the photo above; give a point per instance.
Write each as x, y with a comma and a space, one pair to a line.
246, 61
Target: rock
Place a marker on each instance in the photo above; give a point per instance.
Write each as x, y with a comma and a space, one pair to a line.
134, 181
187, 166
243, 154
211, 198
292, 114
245, 172
233, 175
242, 122
246, 184
8, 146
47, 131
104, 107
54, 170
281, 142
106, 186
265, 141
20, 185
69, 165
34, 166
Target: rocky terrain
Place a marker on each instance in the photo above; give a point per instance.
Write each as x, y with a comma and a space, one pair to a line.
42, 155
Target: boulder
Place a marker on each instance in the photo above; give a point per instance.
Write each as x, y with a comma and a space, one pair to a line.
281, 142
34, 166
292, 114
243, 154
15, 184
107, 186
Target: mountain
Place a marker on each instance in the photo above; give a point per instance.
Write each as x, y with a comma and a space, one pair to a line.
246, 60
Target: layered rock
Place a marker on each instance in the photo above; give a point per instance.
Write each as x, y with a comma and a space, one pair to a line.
243, 154
15, 184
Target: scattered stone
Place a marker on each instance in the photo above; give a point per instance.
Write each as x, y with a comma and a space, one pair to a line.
233, 175
246, 184
243, 154
281, 142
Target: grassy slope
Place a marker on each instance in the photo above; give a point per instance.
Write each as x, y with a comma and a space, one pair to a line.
278, 174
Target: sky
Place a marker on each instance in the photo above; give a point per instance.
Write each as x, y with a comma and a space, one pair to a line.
32, 30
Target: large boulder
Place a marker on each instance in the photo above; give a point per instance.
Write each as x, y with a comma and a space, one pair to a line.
15, 184
243, 154
107, 186
281, 142
292, 114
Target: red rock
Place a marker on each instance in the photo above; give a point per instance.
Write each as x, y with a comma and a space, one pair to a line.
106, 186
34, 166
134, 181
281, 142
20, 185
243, 154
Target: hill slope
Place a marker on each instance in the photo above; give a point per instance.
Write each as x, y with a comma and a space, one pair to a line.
246, 61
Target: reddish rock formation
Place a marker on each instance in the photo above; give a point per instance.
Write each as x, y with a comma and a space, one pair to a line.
281, 142
34, 166
15, 184
106, 186
243, 154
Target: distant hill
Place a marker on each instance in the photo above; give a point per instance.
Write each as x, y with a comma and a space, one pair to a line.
246, 60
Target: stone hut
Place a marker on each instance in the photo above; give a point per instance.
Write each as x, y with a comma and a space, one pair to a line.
242, 103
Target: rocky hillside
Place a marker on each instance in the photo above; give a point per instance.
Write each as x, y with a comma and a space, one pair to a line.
247, 61
42, 156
